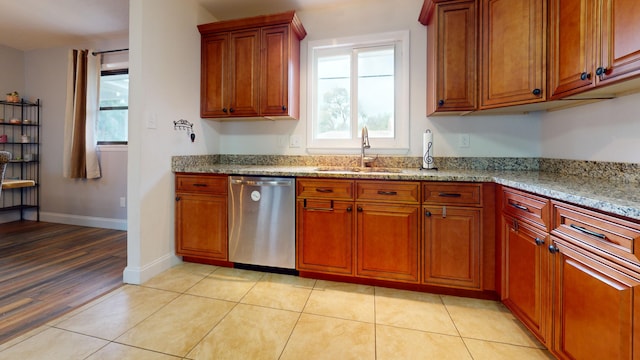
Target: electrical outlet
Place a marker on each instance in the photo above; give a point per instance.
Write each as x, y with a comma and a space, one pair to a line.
464, 141
152, 121
294, 141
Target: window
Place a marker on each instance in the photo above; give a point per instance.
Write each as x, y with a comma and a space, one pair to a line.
356, 82
111, 127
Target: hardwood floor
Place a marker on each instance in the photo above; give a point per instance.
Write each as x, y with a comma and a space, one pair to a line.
48, 269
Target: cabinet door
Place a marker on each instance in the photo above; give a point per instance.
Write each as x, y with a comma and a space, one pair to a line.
325, 233
513, 52
526, 282
244, 73
387, 237
620, 45
214, 76
452, 246
201, 226
595, 307
572, 46
451, 61
274, 77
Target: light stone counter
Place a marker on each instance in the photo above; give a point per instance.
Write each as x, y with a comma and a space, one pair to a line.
616, 197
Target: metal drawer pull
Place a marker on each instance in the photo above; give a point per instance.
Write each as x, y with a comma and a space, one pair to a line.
382, 192
588, 232
518, 206
451, 195
320, 208
324, 190
200, 185
262, 182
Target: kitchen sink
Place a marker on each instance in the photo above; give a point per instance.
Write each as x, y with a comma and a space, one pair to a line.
359, 169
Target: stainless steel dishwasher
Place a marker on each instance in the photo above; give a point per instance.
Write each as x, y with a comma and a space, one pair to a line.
262, 221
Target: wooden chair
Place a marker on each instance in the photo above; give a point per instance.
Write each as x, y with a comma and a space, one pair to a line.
5, 156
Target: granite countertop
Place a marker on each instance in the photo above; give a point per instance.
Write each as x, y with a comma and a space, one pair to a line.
615, 197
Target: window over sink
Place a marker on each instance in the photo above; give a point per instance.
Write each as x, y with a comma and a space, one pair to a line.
355, 82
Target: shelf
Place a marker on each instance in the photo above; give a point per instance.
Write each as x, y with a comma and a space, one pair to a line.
15, 184
18, 207
6, 123
20, 103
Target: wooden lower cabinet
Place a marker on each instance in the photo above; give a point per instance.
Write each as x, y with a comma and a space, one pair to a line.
325, 235
596, 306
201, 226
452, 246
388, 241
526, 281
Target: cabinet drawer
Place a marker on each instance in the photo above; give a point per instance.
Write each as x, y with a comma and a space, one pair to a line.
521, 205
392, 191
327, 189
211, 184
451, 193
606, 233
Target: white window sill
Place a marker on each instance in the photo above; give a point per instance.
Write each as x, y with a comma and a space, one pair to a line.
113, 148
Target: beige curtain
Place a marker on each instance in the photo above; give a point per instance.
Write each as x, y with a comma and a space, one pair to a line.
80, 148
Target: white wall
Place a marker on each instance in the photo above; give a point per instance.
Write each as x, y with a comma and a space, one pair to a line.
11, 71
604, 131
490, 136
164, 71
72, 201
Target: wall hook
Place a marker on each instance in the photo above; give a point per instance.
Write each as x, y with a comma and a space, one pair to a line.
185, 125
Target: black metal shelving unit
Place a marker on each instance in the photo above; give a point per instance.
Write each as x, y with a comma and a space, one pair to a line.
20, 122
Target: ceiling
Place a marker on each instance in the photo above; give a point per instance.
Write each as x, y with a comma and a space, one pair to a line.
36, 24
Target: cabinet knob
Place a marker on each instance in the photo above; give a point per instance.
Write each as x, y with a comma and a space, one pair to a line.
177, 198
601, 71
284, 108
536, 92
427, 213
539, 241
231, 110
359, 209
440, 102
585, 75
553, 249
224, 110
349, 209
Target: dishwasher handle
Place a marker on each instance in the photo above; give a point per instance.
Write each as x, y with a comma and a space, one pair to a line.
262, 182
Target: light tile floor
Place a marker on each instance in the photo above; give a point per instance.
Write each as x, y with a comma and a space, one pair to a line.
195, 311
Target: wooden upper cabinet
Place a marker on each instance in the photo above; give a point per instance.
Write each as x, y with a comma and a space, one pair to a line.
592, 43
451, 56
572, 44
513, 56
620, 47
214, 75
244, 61
251, 67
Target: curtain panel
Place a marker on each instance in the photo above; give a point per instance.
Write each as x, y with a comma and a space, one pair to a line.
80, 159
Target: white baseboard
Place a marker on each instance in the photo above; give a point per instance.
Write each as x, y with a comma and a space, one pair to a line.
139, 275
91, 221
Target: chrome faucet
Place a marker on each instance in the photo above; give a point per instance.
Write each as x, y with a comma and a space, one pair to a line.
365, 145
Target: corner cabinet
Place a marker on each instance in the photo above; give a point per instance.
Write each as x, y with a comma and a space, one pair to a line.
592, 43
201, 217
250, 68
20, 135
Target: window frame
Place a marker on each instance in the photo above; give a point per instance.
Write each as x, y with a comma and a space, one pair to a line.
108, 72
399, 144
